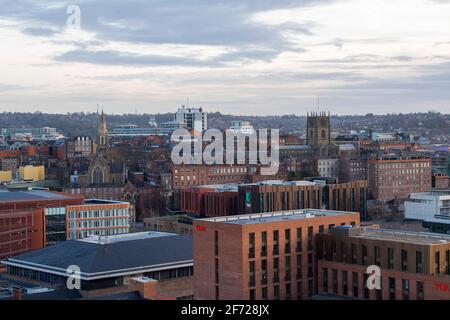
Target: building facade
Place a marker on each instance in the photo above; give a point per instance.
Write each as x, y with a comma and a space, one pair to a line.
192, 118
414, 266
396, 177
260, 256
98, 218
32, 219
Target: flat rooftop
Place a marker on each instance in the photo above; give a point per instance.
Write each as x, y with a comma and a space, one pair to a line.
102, 201
403, 236
434, 193
257, 218
31, 195
111, 256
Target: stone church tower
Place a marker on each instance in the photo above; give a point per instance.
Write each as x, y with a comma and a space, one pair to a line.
318, 130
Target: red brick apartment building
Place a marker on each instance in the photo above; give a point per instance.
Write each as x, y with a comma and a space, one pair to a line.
396, 177
210, 201
26, 223
197, 175
414, 266
260, 256
272, 195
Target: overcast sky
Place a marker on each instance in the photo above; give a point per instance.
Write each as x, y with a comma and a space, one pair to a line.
233, 56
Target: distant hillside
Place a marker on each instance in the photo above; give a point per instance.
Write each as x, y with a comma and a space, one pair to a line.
86, 123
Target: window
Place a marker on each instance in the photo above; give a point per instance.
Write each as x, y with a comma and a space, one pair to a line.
263, 272
335, 281
310, 288
276, 292
343, 252
287, 276
391, 288
299, 266
405, 289
264, 293
275, 242
310, 238
355, 284
310, 265
251, 275
344, 283
321, 228
264, 244
364, 255
251, 245
276, 265
325, 280
354, 254
288, 291
299, 239
377, 256
404, 254
418, 261
252, 294
420, 290
299, 290
287, 239
437, 262
366, 289
390, 258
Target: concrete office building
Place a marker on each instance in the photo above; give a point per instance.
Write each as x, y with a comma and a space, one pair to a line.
433, 208
192, 118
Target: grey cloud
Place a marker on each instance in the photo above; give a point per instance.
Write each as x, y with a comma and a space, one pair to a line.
110, 57
192, 22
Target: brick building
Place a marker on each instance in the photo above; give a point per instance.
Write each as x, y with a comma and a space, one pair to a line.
210, 201
196, 175
260, 256
413, 265
272, 196
396, 177
31, 219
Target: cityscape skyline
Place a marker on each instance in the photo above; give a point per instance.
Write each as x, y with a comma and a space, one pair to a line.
236, 57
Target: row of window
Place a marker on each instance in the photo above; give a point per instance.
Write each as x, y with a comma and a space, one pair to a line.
263, 293
354, 290
104, 213
361, 256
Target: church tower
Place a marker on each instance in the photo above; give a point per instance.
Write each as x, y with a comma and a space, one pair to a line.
102, 135
318, 129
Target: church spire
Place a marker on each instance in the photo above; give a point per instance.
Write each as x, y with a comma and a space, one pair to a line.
102, 136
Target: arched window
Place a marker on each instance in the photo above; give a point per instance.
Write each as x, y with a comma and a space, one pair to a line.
97, 176
324, 135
